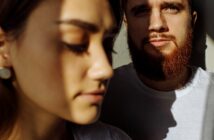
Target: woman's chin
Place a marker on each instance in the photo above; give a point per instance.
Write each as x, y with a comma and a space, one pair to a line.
86, 117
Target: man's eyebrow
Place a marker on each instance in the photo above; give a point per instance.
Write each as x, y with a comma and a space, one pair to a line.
81, 24
140, 6
173, 4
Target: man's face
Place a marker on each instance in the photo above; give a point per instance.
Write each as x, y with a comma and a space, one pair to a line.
159, 36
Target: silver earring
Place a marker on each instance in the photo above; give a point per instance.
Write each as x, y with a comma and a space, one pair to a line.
5, 73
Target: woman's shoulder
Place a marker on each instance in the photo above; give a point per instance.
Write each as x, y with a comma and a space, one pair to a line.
99, 131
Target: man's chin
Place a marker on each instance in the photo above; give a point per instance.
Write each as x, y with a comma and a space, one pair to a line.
157, 65
152, 51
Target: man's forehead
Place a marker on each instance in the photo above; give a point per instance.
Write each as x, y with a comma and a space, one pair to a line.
131, 3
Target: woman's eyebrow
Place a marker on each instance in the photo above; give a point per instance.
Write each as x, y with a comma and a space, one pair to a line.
81, 24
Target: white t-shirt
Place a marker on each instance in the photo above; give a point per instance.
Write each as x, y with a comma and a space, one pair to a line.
148, 114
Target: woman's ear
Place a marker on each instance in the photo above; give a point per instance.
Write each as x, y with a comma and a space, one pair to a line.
4, 50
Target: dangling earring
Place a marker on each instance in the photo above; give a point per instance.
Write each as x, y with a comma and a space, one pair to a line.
5, 73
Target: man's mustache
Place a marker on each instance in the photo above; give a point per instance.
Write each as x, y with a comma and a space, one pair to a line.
157, 36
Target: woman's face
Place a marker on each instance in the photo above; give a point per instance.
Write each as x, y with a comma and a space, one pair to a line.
59, 60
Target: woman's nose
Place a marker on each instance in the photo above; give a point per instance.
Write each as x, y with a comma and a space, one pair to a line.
100, 68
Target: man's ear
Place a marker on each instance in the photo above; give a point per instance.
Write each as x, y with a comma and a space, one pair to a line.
194, 18
4, 50
125, 20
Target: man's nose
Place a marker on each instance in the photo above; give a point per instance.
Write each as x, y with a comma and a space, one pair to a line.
157, 22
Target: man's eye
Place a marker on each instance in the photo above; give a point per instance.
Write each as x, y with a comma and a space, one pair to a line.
171, 10
76, 48
142, 11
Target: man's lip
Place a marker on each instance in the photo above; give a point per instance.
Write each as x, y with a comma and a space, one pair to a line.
158, 39
159, 42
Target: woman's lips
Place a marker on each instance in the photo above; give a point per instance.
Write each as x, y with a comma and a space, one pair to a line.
94, 97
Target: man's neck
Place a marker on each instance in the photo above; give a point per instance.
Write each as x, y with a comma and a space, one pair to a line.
170, 84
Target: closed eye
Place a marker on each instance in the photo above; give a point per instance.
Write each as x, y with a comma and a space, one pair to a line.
76, 48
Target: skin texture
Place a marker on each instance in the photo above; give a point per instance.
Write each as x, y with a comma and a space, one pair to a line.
160, 35
60, 64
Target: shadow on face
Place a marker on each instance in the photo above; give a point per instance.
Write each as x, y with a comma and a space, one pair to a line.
152, 32
59, 59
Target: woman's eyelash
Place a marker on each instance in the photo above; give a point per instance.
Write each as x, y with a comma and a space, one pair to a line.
76, 48
108, 43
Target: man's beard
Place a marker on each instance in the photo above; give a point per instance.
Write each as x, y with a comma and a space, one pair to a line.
164, 66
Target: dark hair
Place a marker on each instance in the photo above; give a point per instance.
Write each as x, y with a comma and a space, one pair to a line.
199, 35
14, 14
118, 16
117, 11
